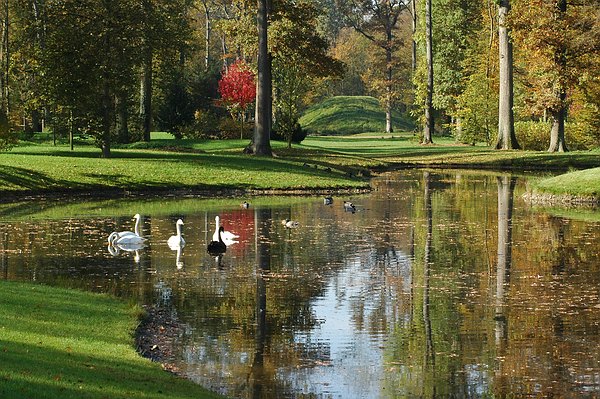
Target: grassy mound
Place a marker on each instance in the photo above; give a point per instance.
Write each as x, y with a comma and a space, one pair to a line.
350, 115
58, 343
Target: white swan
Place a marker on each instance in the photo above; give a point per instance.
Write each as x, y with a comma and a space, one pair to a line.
177, 240
290, 224
115, 235
226, 236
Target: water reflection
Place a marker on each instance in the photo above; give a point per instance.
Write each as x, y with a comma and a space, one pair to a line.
441, 284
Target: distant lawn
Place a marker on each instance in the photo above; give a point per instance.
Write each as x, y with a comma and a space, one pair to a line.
65, 344
345, 115
318, 163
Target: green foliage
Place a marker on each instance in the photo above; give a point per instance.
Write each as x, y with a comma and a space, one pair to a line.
7, 137
456, 22
349, 115
295, 135
533, 135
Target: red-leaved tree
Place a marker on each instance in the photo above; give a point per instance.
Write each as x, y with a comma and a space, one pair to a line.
238, 91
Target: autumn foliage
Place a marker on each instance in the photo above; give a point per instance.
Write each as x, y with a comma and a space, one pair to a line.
237, 88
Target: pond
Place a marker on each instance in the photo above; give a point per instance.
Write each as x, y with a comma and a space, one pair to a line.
440, 284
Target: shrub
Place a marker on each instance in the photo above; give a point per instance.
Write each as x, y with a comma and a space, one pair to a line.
297, 135
205, 125
535, 136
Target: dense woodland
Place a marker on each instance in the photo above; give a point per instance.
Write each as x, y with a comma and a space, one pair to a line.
511, 73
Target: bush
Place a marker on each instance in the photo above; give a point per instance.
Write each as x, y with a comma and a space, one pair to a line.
205, 125
298, 134
231, 129
535, 136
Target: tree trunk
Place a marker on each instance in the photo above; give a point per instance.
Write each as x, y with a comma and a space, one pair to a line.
506, 122
207, 29
122, 118
261, 144
146, 95
146, 76
106, 119
429, 121
557, 133
388, 83
36, 121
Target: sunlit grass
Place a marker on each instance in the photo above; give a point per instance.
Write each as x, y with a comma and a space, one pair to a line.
584, 183
331, 162
58, 343
343, 115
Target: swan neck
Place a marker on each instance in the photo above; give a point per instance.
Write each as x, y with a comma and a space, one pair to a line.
137, 226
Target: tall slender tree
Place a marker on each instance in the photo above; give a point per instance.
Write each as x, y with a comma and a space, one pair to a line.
261, 145
506, 120
428, 127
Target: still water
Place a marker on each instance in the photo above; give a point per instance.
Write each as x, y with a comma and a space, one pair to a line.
441, 284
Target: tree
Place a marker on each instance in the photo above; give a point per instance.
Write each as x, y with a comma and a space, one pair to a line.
237, 88
378, 21
457, 23
506, 120
560, 44
261, 144
428, 127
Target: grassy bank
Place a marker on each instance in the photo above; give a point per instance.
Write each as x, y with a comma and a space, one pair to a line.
318, 163
57, 343
584, 184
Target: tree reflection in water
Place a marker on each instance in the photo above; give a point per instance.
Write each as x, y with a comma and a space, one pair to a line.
445, 284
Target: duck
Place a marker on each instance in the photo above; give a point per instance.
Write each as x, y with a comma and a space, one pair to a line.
116, 235
328, 200
349, 207
217, 247
245, 205
290, 224
226, 236
177, 240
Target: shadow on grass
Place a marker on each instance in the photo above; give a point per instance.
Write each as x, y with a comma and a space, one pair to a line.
54, 345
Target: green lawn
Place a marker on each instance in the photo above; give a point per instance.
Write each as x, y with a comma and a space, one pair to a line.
57, 343
320, 162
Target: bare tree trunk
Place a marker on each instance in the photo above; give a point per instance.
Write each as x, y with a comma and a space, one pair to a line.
122, 127
146, 77
506, 121
557, 133
429, 121
261, 144
146, 95
388, 84
206, 34
106, 119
